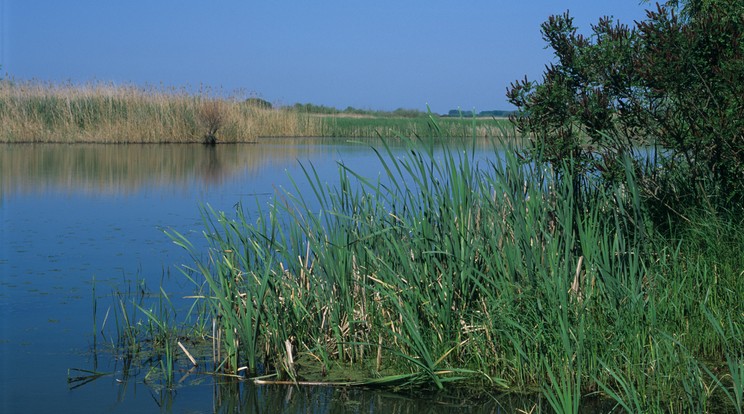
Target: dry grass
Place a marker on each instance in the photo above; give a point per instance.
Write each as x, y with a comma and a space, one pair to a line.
108, 113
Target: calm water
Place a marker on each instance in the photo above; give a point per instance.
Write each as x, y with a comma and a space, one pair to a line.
72, 214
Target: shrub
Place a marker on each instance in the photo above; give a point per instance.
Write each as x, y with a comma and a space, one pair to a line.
675, 79
212, 117
259, 103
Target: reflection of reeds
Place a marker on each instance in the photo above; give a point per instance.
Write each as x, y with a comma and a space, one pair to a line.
127, 168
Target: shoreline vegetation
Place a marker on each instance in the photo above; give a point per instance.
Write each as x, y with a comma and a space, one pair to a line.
107, 113
500, 279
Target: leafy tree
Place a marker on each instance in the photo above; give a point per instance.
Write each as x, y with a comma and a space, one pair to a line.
314, 109
675, 79
259, 103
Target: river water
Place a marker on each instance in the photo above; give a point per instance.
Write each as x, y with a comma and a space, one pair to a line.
81, 222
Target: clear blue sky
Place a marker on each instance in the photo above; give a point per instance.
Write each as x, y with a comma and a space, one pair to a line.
367, 54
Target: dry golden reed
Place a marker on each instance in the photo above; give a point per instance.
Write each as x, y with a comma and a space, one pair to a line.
109, 113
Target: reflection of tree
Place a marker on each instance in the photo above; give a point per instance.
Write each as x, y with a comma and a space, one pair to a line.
212, 167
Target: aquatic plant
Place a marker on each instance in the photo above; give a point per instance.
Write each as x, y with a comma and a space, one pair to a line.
444, 268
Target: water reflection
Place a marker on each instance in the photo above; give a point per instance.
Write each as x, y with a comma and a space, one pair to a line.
249, 398
234, 397
127, 168
122, 169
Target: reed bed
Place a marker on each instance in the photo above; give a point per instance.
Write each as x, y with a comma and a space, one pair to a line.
109, 113
496, 276
420, 126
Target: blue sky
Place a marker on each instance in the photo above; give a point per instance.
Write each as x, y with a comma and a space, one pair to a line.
367, 54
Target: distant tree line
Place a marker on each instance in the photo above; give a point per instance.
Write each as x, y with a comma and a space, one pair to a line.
310, 108
350, 110
259, 103
470, 114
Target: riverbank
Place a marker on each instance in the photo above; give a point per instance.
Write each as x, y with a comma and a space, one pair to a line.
109, 113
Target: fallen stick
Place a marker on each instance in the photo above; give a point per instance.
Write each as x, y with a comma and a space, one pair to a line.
183, 348
304, 383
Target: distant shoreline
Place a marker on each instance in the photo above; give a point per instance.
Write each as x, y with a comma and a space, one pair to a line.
105, 113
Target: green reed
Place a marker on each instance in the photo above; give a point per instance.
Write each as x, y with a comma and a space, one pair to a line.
422, 126
732, 337
499, 275
146, 333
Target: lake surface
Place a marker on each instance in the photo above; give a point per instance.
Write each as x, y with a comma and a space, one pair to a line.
75, 217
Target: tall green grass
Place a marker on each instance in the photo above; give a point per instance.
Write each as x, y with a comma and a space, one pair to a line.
496, 275
423, 126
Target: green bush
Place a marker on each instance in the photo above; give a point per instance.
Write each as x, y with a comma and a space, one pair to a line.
675, 79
